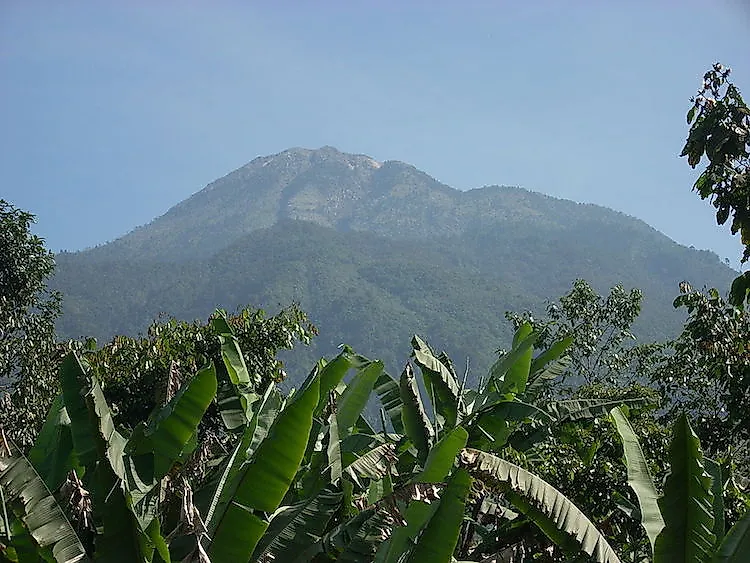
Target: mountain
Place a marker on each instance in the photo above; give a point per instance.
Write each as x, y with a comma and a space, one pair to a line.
374, 252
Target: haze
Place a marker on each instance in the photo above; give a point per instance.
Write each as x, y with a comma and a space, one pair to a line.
111, 113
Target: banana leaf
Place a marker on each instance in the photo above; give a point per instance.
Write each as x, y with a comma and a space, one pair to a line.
264, 479
388, 391
717, 491
687, 504
639, 477
217, 493
539, 378
53, 455
438, 540
571, 410
551, 354
736, 544
374, 464
335, 462
100, 448
166, 435
292, 529
42, 516
438, 379
235, 397
91, 423
512, 371
354, 398
353, 541
439, 464
416, 424
555, 514
331, 373
493, 425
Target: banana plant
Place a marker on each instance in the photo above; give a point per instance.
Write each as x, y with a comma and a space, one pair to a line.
311, 451
121, 474
33, 525
686, 523
507, 398
548, 508
487, 417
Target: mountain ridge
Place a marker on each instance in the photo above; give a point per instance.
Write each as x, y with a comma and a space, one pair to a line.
292, 195
366, 246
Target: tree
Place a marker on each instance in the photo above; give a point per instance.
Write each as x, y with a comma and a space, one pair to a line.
720, 129
138, 372
28, 310
707, 370
598, 326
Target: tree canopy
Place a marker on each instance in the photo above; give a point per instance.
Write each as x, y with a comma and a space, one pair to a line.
28, 310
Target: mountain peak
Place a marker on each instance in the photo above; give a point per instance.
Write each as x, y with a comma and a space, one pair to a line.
350, 192
300, 156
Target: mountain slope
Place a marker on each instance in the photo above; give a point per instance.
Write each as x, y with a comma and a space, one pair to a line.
366, 290
374, 252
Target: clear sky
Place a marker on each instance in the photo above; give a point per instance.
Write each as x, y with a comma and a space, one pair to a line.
113, 111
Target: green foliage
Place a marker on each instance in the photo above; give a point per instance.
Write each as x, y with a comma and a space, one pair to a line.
720, 129
601, 350
30, 512
333, 488
639, 477
139, 372
690, 523
687, 502
260, 483
581, 453
554, 513
708, 371
28, 310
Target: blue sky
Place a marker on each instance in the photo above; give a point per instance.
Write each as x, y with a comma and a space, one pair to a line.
112, 112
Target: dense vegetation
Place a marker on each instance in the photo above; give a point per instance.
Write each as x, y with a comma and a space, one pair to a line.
180, 444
